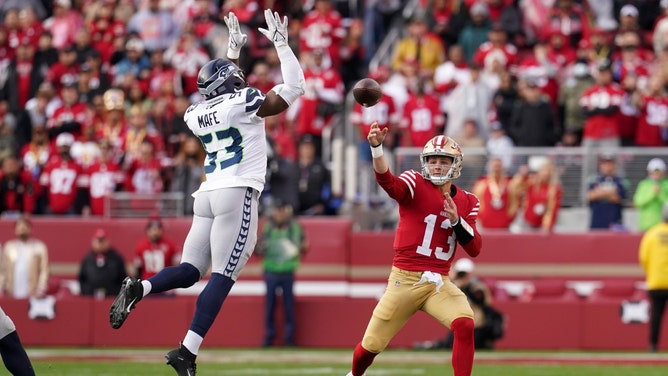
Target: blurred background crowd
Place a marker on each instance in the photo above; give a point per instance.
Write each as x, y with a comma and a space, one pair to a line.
92, 93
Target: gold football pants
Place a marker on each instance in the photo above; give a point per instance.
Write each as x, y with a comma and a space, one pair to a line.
402, 299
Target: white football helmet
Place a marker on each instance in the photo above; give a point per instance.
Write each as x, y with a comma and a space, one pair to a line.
443, 146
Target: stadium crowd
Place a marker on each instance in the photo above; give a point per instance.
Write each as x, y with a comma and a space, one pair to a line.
92, 93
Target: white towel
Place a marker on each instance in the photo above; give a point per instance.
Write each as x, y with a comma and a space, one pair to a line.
431, 277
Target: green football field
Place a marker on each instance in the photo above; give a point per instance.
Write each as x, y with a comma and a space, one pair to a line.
322, 362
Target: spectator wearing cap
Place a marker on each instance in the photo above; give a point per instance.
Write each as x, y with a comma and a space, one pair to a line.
475, 31
65, 70
135, 65
651, 194
322, 28
281, 245
420, 46
61, 179
64, 23
601, 126
653, 107
72, 116
629, 18
155, 251
568, 99
314, 179
155, 26
102, 269
533, 120
606, 193
24, 264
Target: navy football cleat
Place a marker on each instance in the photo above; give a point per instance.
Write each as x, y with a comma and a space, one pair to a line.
131, 292
183, 361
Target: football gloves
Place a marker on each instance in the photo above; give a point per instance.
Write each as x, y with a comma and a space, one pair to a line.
276, 30
236, 39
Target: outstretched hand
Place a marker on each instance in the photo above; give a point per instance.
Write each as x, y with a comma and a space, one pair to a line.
450, 208
237, 39
277, 30
376, 135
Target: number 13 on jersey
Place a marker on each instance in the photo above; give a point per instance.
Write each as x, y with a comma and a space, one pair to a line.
425, 247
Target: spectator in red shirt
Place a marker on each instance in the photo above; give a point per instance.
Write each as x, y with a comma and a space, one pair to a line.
422, 117
155, 252
61, 178
601, 104
18, 189
144, 174
324, 94
139, 131
66, 69
542, 192
104, 28
31, 26
103, 178
113, 124
187, 57
496, 50
652, 128
72, 116
322, 28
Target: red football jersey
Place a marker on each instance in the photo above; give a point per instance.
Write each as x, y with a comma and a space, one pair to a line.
425, 239
384, 112
494, 202
153, 257
422, 117
102, 179
602, 98
652, 120
61, 179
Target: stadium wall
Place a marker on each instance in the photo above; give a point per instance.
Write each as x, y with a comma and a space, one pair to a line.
339, 282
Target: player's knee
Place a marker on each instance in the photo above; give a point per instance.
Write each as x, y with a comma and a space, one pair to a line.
462, 327
6, 325
373, 344
191, 274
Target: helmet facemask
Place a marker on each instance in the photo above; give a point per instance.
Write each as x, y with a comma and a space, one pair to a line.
445, 147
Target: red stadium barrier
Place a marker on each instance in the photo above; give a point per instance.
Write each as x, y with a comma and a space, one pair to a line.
339, 278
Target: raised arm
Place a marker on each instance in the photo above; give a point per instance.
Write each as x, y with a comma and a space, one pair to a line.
282, 95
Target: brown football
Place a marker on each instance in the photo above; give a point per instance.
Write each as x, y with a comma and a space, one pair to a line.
367, 92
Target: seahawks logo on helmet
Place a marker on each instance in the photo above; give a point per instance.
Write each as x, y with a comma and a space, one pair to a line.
218, 77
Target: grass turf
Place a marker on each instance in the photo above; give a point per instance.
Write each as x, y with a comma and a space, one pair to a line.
139, 362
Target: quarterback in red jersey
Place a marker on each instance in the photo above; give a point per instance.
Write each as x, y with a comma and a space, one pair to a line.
434, 216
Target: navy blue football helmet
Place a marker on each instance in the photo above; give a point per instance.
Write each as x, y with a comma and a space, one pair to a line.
220, 76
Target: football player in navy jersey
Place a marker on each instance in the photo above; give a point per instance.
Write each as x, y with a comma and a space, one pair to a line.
435, 216
230, 125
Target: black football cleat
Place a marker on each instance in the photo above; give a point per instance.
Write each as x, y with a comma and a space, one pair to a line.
183, 361
131, 292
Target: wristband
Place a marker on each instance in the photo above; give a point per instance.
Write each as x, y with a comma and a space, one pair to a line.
233, 54
377, 151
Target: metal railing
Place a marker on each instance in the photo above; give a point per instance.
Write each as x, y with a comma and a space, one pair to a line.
138, 205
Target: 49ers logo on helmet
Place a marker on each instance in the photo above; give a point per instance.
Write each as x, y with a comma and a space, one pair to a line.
439, 142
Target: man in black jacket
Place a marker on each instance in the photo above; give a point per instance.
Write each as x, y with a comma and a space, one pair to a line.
102, 269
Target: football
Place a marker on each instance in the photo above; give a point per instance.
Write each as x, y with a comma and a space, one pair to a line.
367, 92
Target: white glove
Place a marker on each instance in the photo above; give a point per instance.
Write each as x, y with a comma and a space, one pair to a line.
277, 31
236, 39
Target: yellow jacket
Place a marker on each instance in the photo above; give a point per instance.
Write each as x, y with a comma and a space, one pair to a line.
38, 269
653, 256
432, 52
